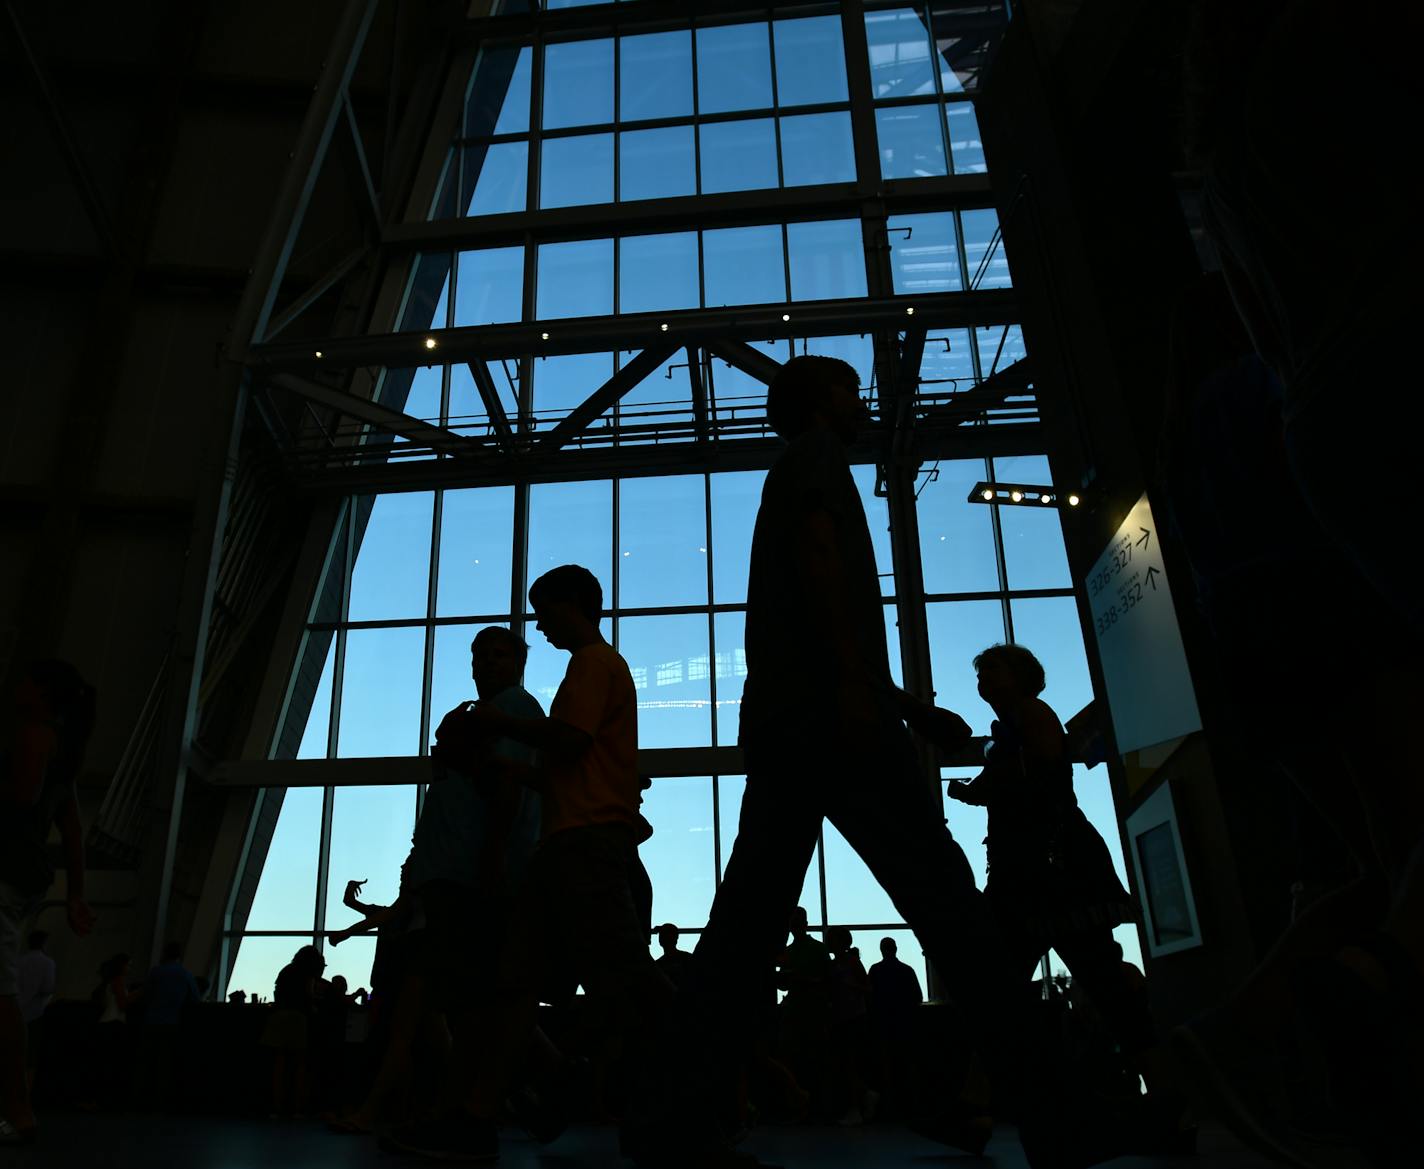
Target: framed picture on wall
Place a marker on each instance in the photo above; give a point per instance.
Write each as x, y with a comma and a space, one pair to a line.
1164, 885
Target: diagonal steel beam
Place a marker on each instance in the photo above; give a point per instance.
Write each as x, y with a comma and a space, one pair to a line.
318, 289
79, 171
607, 394
992, 391
371, 204
489, 395
374, 414
750, 361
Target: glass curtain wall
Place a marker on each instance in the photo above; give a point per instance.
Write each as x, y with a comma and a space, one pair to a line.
692, 113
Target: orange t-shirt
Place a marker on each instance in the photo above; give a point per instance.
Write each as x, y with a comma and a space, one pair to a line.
601, 785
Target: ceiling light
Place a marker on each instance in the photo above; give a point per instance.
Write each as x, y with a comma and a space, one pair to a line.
544, 336
430, 342
1074, 501
910, 311
986, 494
1016, 496
785, 316
318, 353
1045, 499
663, 326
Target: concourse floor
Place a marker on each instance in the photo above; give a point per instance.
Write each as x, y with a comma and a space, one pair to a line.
78, 1141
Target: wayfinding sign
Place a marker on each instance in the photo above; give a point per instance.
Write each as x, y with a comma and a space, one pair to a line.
1139, 642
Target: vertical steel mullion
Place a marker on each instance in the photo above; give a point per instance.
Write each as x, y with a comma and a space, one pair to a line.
941, 100
775, 97
432, 592
617, 560
717, 831
617, 117
821, 865
519, 568
711, 618
536, 120
786, 267
333, 735
696, 131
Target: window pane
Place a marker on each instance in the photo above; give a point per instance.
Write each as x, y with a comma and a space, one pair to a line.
736, 495
563, 382
959, 630
923, 254
655, 76
899, 53
810, 61
999, 346
967, 823
731, 789
911, 142
965, 149
392, 571
853, 896
467, 407
984, 257
258, 962
286, 891
679, 856
578, 84
857, 352
370, 838
739, 397
738, 156
476, 551
380, 692
966, 36
450, 681
657, 272
1033, 537
501, 177
733, 68
427, 297
352, 960
572, 523
817, 148
663, 398
730, 630
575, 279
315, 733
672, 673
499, 93
576, 171
827, 260
956, 536
947, 366
892, 644
743, 265
662, 542
656, 164
491, 286
877, 519
1049, 627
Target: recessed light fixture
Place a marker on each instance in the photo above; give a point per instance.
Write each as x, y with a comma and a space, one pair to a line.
1074, 501
663, 326
543, 336
785, 316
1045, 498
1016, 496
318, 354
986, 494
910, 311
430, 342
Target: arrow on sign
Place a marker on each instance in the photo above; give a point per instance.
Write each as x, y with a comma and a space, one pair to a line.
1144, 541
1152, 577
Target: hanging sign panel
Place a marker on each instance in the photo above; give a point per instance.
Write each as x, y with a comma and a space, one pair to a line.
1139, 642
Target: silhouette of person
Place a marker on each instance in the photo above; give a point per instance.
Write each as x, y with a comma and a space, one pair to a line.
673, 962
895, 995
1051, 878
169, 988
53, 715
35, 980
288, 1031
804, 1015
849, 991
822, 741
576, 911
